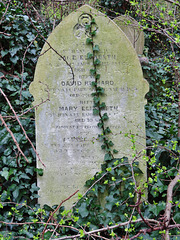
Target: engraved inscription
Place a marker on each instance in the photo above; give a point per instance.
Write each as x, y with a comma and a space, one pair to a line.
66, 129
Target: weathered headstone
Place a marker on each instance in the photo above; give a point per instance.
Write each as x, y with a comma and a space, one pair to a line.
132, 30
66, 129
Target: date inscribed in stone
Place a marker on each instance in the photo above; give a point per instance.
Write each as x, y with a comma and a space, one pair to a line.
66, 130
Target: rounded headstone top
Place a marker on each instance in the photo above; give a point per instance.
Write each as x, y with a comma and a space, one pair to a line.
66, 128
117, 55
132, 30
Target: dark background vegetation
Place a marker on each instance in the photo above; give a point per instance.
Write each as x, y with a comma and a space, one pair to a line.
20, 45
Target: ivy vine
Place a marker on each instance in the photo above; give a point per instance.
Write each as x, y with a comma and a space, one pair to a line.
118, 216
99, 106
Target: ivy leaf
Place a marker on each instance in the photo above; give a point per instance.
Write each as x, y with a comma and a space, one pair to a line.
102, 105
100, 125
16, 193
39, 171
34, 188
105, 117
94, 84
30, 37
14, 59
93, 33
96, 99
4, 196
4, 52
98, 76
87, 26
93, 21
93, 94
111, 201
111, 143
107, 157
92, 72
33, 51
26, 18
89, 55
5, 173
83, 210
24, 176
157, 208
81, 233
29, 170
100, 90
7, 152
2, 63
115, 151
107, 130
14, 50
95, 112
97, 62
26, 94
177, 217
89, 40
96, 48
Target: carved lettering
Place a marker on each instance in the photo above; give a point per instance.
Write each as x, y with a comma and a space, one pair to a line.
66, 129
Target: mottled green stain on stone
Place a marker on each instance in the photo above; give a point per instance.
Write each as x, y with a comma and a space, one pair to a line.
132, 30
66, 130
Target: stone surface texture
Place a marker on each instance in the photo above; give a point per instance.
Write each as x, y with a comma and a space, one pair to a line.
66, 130
130, 27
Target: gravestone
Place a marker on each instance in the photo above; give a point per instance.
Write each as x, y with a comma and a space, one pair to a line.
132, 30
66, 130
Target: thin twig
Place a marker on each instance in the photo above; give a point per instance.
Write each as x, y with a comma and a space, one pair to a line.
63, 58
108, 228
14, 139
21, 126
5, 14
23, 64
98, 181
167, 215
6, 34
99, 236
20, 116
43, 223
56, 211
130, 221
173, 2
39, 16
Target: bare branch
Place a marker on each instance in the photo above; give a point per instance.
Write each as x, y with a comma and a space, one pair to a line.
98, 181
56, 211
5, 14
21, 126
173, 2
23, 113
6, 34
63, 58
14, 139
23, 63
167, 215
39, 16
108, 228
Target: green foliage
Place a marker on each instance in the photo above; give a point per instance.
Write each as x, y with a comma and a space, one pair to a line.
162, 111
114, 7
20, 46
111, 197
